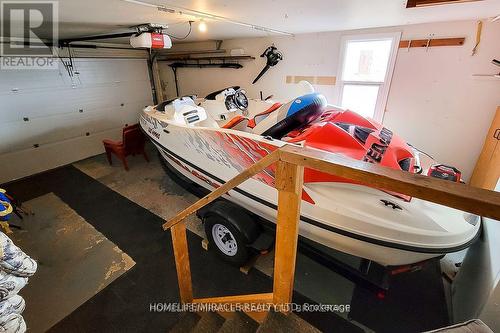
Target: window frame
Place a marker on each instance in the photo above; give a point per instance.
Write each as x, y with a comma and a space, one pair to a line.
384, 86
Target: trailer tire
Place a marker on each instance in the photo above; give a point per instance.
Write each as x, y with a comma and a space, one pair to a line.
230, 231
228, 242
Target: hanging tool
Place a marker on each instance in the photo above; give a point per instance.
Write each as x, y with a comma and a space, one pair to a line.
18, 207
68, 64
428, 42
273, 57
494, 62
478, 36
9, 205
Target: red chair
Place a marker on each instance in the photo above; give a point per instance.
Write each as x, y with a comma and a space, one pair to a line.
132, 143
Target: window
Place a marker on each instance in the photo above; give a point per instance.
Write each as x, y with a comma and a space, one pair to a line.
365, 71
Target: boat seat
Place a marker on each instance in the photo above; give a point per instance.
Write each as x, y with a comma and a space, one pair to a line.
291, 116
244, 124
263, 115
238, 123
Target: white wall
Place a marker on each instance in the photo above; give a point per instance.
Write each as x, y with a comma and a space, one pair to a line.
437, 104
110, 93
434, 101
308, 54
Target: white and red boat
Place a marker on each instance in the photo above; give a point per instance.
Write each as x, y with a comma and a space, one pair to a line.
212, 140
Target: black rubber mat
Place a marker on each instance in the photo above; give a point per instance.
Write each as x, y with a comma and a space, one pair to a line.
124, 306
415, 302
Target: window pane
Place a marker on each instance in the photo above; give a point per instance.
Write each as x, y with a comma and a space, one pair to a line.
361, 99
366, 60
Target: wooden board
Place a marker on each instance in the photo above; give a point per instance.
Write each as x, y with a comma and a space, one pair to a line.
432, 42
487, 170
319, 80
425, 3
250, 172
264, 298
289, 181
157, 81
181, 255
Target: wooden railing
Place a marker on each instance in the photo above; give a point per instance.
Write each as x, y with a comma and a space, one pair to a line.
291, 161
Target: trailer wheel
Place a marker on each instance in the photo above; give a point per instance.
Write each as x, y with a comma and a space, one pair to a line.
230, 229
226, 240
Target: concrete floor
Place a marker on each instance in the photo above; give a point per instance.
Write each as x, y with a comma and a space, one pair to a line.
124, 202
125, 304
75, 261
147, 185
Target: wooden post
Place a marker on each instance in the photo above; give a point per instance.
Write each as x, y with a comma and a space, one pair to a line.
487, 170
289, 180
157, 81
181, 254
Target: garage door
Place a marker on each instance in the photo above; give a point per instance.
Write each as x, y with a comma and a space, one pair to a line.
50, 118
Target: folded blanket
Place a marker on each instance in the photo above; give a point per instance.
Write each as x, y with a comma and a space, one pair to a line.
14, 260
10, 285
13, 323
14, 304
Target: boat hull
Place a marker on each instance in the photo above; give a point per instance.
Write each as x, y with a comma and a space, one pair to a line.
210, 157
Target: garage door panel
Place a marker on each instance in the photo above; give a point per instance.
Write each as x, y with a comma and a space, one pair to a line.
29, 79
92, 71
16, 106
120, 70
40, 131
111, 93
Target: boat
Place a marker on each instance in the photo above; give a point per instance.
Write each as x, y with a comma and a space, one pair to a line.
209, 141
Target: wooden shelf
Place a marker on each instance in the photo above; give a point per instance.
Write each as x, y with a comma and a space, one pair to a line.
433, 42
219, 58
425, 3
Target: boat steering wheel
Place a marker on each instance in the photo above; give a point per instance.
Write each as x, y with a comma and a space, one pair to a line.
237, 100
241, 100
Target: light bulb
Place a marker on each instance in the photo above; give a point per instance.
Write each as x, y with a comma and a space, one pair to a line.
202, 26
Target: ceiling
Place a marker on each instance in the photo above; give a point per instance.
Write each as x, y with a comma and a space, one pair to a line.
89, 17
